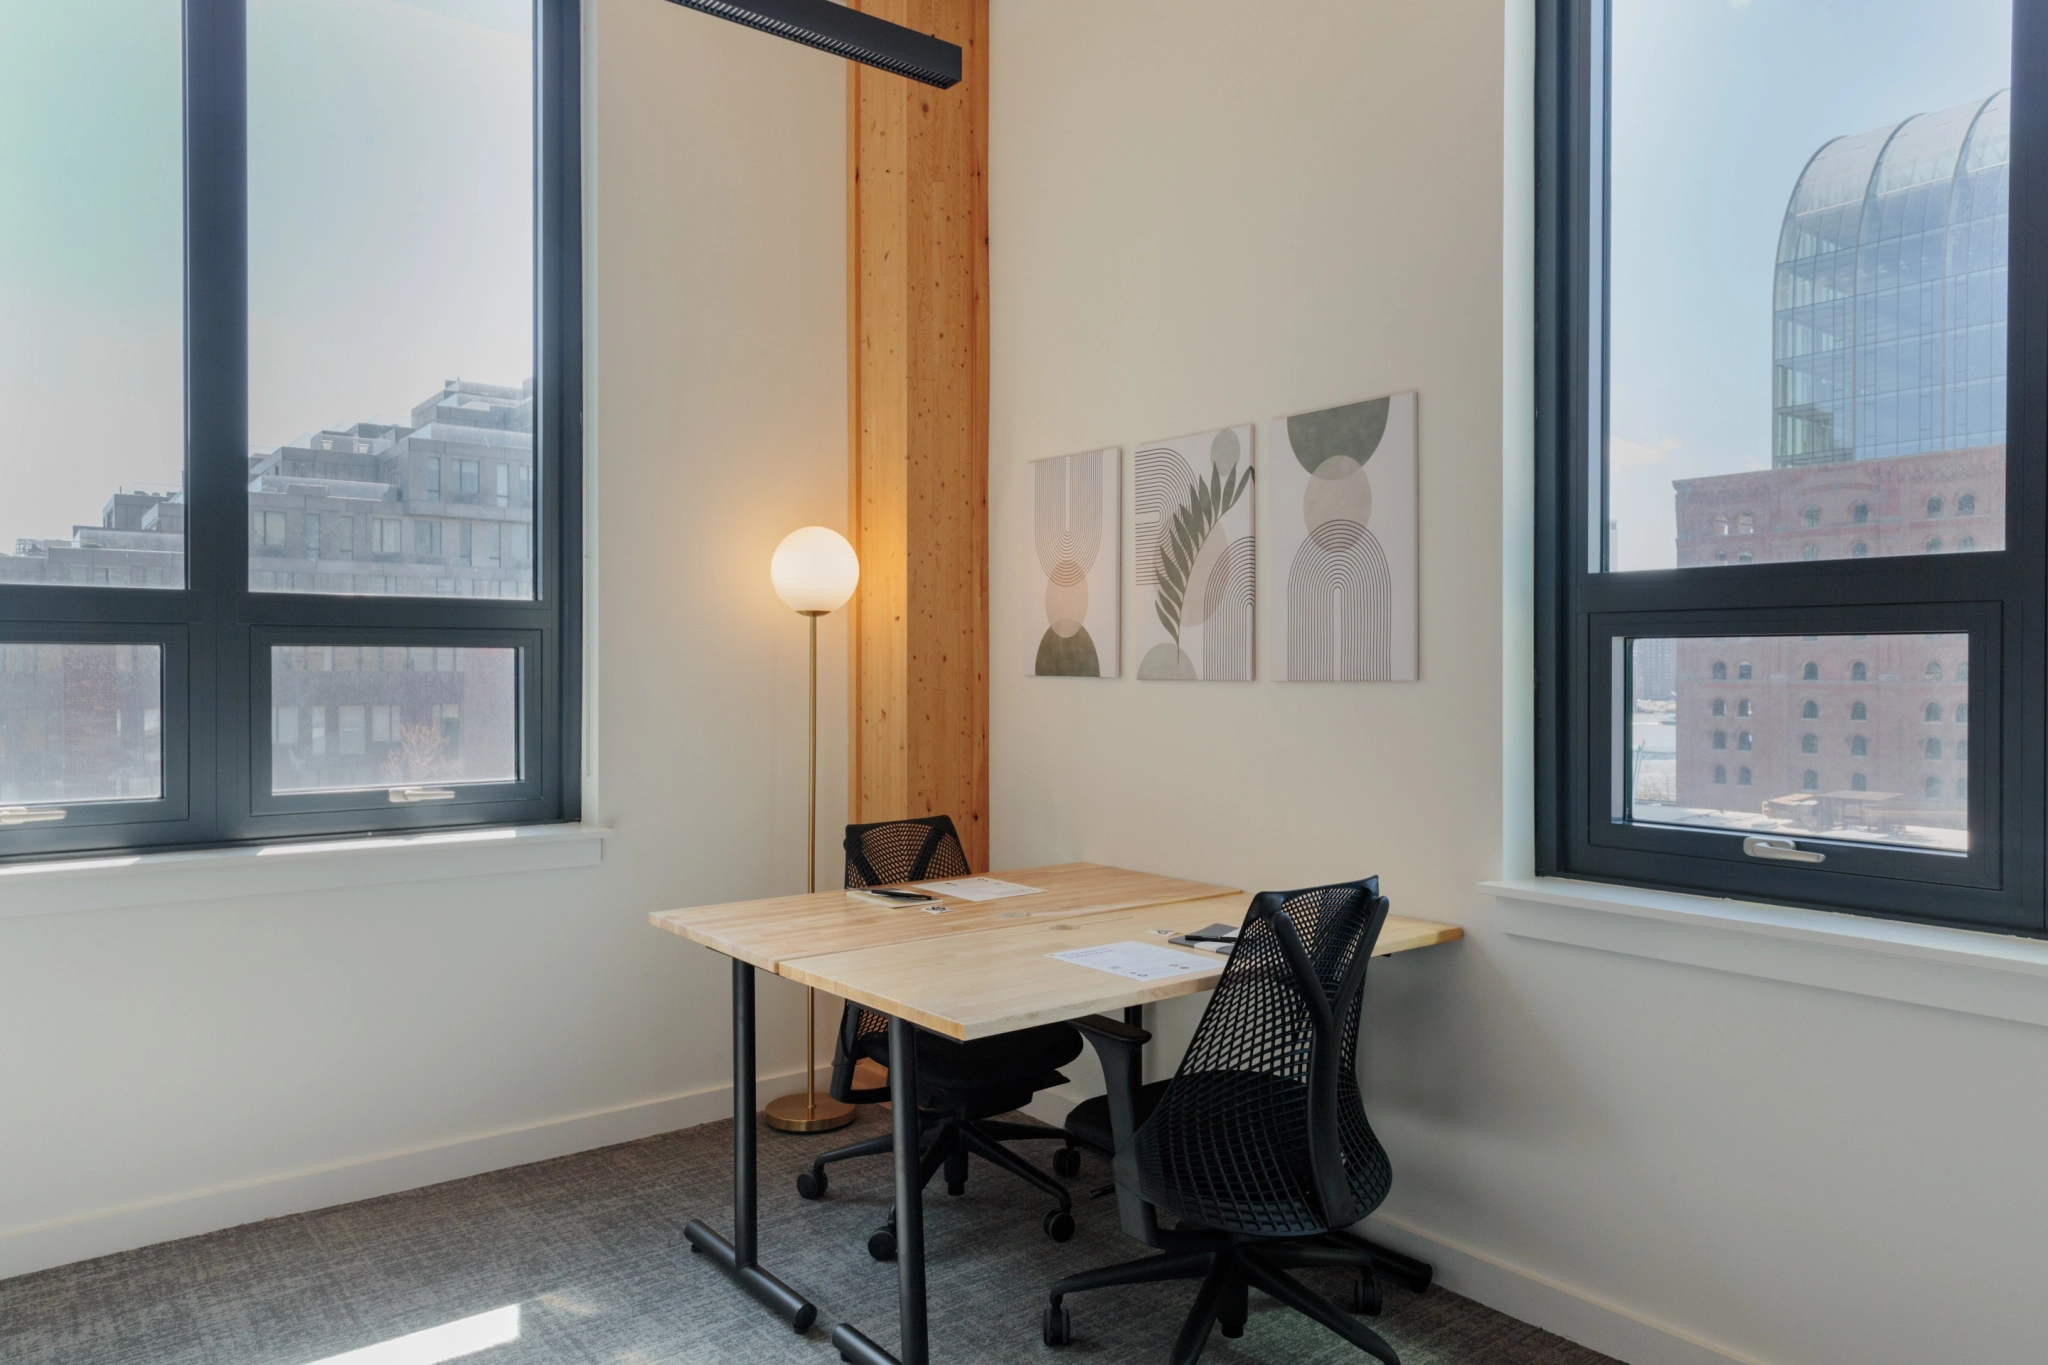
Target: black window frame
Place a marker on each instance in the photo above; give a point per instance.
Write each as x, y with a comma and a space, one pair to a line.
1585, 613
216, 631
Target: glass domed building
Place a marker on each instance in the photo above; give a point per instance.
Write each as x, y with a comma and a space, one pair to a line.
1890, 296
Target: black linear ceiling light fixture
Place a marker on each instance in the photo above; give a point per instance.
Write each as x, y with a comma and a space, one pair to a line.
845, 33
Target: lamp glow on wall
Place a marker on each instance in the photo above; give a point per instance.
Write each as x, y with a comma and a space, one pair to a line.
814, 572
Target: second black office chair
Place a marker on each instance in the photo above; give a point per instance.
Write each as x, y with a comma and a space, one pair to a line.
1259, 1144
960, 1086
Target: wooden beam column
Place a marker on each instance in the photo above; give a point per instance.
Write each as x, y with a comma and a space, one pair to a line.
917, 228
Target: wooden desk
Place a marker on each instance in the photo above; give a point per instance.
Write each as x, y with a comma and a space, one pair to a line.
975, 971
1003, 979
763, 933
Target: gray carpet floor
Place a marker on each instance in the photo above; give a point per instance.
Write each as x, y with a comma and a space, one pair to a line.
590, 1247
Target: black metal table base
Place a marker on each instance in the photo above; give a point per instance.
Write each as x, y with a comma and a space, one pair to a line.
740, 1257
914, 1347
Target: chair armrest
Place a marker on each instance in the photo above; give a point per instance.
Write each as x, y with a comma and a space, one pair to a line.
1101, 1024
1121, 1049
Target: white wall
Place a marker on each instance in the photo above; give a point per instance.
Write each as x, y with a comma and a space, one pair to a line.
1207, 212
168, 1069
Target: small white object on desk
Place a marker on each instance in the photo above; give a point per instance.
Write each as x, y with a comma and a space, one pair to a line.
977, 889
1138, 961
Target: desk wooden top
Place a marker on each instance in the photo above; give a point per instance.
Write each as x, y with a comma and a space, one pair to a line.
1000, 979
768, 932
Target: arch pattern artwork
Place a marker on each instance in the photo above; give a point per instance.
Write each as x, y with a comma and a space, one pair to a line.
1345, 541
1196, 557
1075, 528
1340, 606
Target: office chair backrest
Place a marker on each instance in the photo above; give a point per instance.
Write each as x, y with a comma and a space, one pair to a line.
882, 854
1262, 1130
893, 851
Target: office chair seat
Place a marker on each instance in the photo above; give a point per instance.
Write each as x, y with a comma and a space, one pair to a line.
1088, 1124
1029, 1058
1233, 1154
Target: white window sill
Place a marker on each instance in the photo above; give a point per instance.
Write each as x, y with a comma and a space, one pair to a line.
132, 880
1993, 975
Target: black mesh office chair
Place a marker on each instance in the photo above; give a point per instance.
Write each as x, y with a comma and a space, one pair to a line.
960, 1086
1259, 1144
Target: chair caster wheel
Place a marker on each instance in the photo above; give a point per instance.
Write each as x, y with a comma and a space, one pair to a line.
812, 1184
1067, 1162
1365, 1295
1059, 1225
1059, 1325
882, 1244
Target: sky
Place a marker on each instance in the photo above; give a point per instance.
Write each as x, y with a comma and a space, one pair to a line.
390, 213
390, 196
1718, 104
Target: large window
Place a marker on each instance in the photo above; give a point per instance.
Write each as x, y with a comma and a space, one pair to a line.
1791, 456
290, 394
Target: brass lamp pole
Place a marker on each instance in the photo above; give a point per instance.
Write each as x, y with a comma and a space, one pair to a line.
814, 571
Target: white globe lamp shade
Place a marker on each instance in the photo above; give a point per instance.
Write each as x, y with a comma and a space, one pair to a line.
814, 570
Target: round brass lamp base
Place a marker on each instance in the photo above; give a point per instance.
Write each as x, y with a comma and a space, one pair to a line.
808, 1114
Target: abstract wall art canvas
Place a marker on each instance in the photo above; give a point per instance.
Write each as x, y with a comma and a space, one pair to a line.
1076, 526
1342, 491
1194, 506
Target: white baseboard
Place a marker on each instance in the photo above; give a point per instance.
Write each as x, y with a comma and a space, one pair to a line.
1570, 1313
23, 1250
1520, 1293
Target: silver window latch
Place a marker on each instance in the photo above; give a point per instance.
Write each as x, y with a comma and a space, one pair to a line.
31, 815
407, 795
1782, 850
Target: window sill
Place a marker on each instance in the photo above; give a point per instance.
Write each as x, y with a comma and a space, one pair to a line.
133, 880
1992, 975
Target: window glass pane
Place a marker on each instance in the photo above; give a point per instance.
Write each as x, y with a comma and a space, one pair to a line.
390, 247
1859, 737
80, 723
1808, 289
346, 717
92, 408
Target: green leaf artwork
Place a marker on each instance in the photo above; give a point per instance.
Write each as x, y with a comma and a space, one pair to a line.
1206, 504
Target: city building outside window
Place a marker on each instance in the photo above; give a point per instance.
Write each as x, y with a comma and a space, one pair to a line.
287, 384
1842, 257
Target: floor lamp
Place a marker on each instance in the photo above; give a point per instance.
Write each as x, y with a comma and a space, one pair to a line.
814, 571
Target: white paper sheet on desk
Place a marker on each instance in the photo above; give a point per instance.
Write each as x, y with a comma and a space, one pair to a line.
977, 889
1139, 961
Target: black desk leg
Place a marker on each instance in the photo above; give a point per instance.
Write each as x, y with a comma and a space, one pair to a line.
914, 1345
740, 1258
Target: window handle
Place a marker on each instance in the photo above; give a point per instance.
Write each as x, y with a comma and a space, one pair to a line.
31, 815
407, 795
1781, 850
